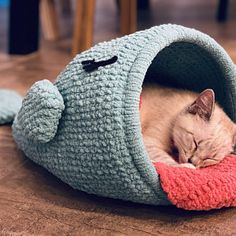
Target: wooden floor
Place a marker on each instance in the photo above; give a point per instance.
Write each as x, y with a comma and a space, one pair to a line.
33, 202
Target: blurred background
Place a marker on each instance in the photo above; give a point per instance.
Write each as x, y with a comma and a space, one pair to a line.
38, 38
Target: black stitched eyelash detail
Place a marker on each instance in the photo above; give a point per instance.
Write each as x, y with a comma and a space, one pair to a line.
92, 65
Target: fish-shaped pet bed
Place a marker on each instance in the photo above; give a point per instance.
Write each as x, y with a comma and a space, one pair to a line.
85, 127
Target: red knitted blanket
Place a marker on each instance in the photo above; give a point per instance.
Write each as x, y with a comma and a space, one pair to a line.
200, 189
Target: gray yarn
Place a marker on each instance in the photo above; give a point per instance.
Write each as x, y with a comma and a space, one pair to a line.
45, 114
10, 103
85, 128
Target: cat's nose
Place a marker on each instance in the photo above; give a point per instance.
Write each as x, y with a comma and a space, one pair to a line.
190, 160
194, 160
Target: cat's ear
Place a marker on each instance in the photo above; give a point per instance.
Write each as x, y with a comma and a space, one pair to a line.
204, 105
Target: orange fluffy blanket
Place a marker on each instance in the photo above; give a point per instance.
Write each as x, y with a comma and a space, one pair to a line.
200, 189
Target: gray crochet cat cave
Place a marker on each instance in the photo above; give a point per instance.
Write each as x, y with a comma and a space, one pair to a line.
85, 128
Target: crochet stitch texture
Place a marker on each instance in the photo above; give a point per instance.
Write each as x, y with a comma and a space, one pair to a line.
85, 128
10, 103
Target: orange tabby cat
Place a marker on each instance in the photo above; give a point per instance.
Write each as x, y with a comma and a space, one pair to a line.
191, 124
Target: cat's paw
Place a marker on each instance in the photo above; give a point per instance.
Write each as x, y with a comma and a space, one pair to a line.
187, 165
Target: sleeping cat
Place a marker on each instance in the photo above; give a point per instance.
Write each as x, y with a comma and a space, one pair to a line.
183, 123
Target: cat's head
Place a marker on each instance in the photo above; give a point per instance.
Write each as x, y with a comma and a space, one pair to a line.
202, 133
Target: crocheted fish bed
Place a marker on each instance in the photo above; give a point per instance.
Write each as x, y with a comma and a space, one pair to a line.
85, 128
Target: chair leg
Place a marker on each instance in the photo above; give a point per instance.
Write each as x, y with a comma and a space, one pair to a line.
143, 4
49, 20
83, 25
65, 6
23, 34
77, 37
128, 16
222, 10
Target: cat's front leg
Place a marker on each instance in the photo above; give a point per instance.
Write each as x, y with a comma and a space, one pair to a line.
187, 165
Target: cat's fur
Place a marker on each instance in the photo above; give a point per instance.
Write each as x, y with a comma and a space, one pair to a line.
191, 124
